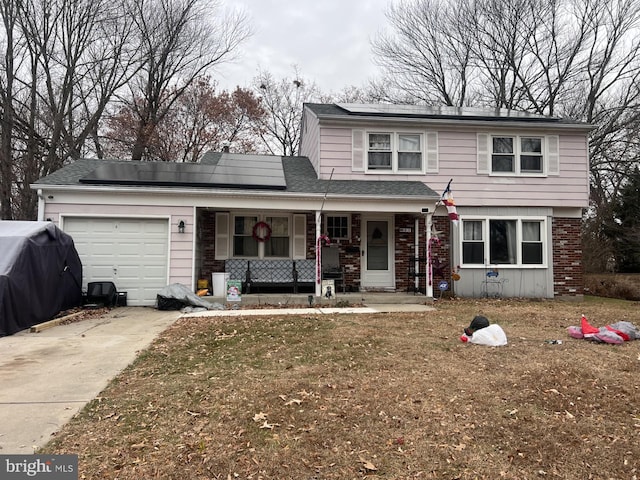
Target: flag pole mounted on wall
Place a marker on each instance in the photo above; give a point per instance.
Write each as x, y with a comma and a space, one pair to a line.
447, 201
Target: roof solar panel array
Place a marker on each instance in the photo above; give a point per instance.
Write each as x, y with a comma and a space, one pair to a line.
244, 171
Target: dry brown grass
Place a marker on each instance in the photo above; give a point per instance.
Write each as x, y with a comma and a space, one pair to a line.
394, 396
625, 286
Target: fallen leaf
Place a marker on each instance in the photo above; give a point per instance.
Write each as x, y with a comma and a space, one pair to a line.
369, 466
258, 417
269, 426
295, 401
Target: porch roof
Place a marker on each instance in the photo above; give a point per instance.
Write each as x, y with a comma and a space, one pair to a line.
299, 175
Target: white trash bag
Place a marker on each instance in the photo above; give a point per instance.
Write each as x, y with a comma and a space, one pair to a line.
491, 336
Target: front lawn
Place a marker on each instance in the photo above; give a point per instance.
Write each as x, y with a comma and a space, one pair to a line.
393, 396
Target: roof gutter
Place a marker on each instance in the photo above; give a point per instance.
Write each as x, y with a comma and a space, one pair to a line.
225, 193
446, 121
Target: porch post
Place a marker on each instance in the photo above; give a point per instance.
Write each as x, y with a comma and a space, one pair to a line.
427, 223
318, 254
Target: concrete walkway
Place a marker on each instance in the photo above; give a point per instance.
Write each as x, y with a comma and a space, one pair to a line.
47, 377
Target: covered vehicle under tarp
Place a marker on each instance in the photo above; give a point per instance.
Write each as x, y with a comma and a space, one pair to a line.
40, 274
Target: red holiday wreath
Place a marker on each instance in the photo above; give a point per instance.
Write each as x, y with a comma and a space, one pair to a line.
259, 228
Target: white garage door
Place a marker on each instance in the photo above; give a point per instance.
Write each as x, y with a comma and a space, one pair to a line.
130, 252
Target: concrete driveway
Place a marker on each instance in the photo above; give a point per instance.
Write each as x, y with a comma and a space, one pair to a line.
47, 377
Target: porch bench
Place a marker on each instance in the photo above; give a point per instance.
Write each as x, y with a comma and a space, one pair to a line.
306, 272
283, 273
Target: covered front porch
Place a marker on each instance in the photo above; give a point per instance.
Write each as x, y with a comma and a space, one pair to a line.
290, 255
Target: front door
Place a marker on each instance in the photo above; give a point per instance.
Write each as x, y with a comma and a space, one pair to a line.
377, 253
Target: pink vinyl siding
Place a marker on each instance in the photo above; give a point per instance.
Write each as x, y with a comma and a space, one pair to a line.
309, 146
458, 160
335, 153
180, 264
457, 155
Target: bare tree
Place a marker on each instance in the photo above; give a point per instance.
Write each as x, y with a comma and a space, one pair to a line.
428, 55
65, 61
179, 41
283, 102
199, 120
8, 11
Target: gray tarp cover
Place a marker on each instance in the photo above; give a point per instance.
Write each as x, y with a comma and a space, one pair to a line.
183, 295
40, 274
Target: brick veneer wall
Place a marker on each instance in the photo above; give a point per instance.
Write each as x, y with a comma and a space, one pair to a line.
568, 270
406, 251
207, 235
441, 251
349, 250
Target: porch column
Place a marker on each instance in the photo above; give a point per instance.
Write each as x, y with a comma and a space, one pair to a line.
427, 223
318, 254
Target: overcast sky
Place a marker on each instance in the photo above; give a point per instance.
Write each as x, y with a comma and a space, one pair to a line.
329, 41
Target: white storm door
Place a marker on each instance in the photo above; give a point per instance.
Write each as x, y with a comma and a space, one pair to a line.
378, 248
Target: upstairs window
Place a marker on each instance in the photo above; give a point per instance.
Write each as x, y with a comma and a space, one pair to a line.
395, 152
379, 151
409, 152
517, 155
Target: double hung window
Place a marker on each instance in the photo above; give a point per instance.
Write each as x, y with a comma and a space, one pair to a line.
271, 243
496, 241
517, 155
395, 152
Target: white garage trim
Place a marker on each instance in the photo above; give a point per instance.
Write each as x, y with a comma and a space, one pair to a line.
131, 251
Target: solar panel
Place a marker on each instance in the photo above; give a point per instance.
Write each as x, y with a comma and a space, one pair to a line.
231, 171
437, 111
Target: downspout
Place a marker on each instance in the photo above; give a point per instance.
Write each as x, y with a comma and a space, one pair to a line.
40, 205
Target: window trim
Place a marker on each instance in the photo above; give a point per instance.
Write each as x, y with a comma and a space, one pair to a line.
517, 154
486, 240
395, 145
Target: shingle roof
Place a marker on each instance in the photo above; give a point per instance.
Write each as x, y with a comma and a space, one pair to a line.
299, 174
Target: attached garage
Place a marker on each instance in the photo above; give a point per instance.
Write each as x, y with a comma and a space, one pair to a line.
131, 252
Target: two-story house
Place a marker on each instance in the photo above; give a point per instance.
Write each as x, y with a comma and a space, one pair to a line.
365, 192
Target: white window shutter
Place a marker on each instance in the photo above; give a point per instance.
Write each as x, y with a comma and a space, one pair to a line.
357, 150
431, 149
299, 237
484, 166
222, 236
553, 155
